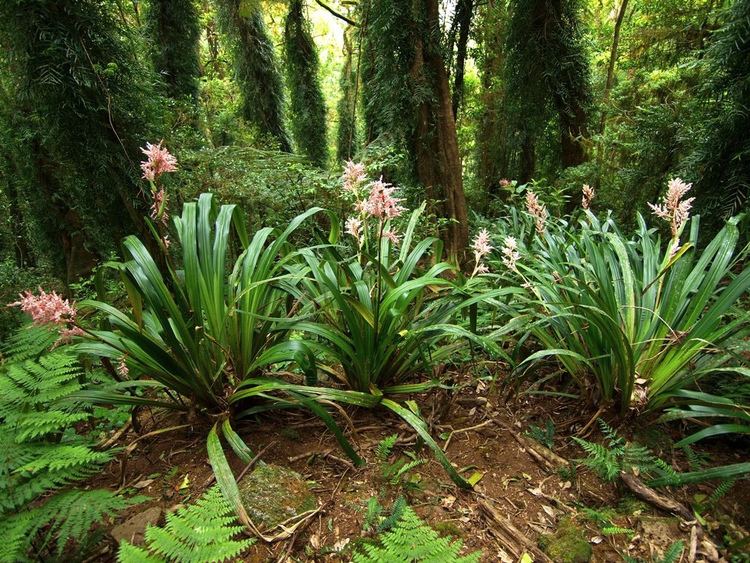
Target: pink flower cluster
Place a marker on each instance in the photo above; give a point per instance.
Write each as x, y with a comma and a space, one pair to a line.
481, 247
354, 176
353, 226
537, 210
510, 253
381, 203
158, 161
50, 308
673, 208
587, 196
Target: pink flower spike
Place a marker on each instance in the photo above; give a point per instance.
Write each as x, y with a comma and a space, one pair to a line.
46, 308
122, 368
510, 253
354, 176
50, 309
673, 208
381, 203
353, 226
537, 210
481, 243
481, 247
587, 196
392, 236
158, 161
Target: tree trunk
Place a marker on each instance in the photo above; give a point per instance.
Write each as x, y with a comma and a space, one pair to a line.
438, 161
612, 62
572, 132
528, 160
464, 12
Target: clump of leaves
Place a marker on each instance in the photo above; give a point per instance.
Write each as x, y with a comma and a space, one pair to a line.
396, 472
409, 539
205, 531
545, 436
43, 454
619, 455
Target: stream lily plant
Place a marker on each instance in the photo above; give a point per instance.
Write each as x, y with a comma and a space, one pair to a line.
630, 318
202, 335
379, 316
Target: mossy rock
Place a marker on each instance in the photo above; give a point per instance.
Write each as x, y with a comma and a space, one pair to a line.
568, 544
273, 494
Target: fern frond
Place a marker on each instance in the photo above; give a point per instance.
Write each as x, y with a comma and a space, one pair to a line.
397, 511
610, 434
374, 510
200, 533
721, 491
600, 459
29, 342
411, 540
616, 531
404, 469
69, 516
385, 448
673, 553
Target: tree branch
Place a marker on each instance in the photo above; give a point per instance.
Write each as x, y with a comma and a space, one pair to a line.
337, 14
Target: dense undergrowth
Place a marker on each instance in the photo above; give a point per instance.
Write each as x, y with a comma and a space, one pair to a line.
225, 326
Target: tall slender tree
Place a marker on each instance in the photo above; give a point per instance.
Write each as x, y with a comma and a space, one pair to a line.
175, 33
88, 105
492, 146
346, 137
309, 122
721, 161
407, 96
257, 71
463, 19
548, 73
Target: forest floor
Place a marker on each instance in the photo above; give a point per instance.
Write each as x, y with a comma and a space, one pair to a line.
526, 495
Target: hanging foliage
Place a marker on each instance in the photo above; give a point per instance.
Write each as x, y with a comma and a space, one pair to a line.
256, 68
302, 69
548, 74
87, 104
175, 33
346, 139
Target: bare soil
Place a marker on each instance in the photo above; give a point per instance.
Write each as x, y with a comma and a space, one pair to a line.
483, 433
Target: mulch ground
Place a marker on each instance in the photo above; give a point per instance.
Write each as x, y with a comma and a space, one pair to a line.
521, 496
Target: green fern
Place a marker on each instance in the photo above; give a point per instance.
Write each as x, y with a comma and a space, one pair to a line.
385, 448
721, 491
372, 515
394, 473
397, 511
204, 532
672, 555
545, 436
602, 460
67, 516
617, 531
41, 452
29, 342
619, 455
411, 540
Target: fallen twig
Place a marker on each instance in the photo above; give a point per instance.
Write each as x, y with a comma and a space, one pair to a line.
644, 492
510, 536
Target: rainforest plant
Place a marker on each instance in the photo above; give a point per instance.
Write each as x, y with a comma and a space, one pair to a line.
377, 319
630, 315
44, 452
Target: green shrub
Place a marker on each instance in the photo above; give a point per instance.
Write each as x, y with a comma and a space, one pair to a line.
627, 318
